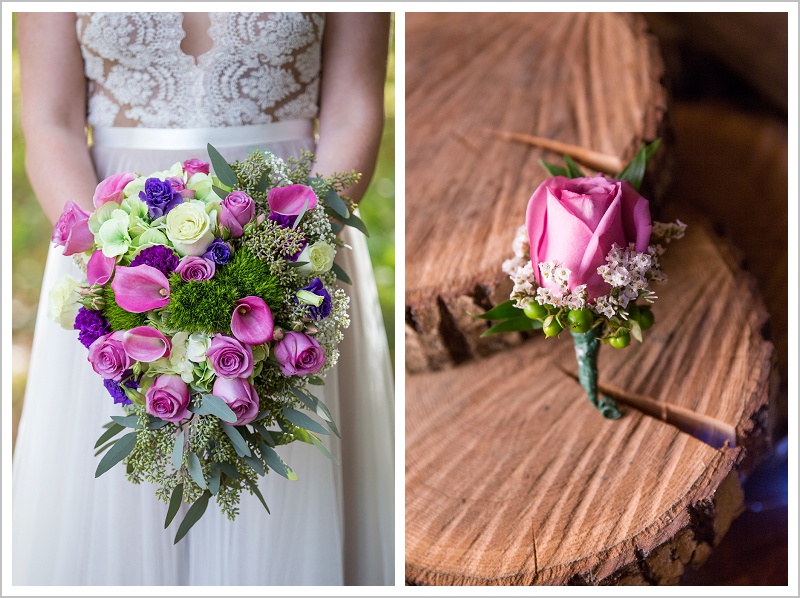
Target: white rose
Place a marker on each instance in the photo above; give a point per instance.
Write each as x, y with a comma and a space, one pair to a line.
319, 257
62, 302
189, 227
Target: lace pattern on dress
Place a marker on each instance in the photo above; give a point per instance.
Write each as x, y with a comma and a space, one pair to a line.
261, 68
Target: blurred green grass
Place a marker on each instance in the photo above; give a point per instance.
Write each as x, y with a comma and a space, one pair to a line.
31, 235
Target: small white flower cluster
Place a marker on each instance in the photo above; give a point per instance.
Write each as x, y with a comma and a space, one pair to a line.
520, 270
317, 225
668, 231
629, 274
330, 333
556, 273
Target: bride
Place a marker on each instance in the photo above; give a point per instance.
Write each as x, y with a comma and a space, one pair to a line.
155, 89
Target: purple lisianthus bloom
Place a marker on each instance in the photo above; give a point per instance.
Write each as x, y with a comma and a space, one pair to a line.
115, 390
92, 324
324, 309
303, 245
283, 220
218, 252
159, 196
159, 257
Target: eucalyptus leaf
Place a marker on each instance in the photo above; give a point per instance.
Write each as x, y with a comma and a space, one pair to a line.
239, 445
520, 324
121, 449
212, 405
552, 169
129, 421
300, 419
503, 311
104, 447
302, 435
156, 423
264, 414
222, 169
113, 429
336, 227
318, 443
263, 183
356, 222
296, 264
220, 192
177, 452
257, 492
573, 171
315, 380
229, 470
341, 274
335, 203
305, 399
256, 465
275, 463
195, 469
193, 515
174, 504
214, 478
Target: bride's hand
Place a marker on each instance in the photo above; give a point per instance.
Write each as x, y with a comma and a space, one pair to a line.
53, 90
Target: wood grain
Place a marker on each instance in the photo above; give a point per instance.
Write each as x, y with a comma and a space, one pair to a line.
513, 478
585, 79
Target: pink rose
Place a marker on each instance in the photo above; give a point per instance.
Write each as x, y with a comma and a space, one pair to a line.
240, 396
179, 186
238, 209
193, 267
108, 357
299, 354
576, 221
72, 230
229, 358
111, 188
168, 398
194, 165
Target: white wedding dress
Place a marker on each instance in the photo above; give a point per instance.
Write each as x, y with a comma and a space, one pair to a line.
152, 105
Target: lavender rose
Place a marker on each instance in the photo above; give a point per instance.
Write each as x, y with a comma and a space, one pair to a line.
299, 354
229, 358
240, 396
72, 230
168, 398
159, 196
194, 267
238, 209
194, 165
108, 357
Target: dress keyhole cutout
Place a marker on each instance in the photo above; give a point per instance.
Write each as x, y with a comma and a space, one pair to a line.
196, 40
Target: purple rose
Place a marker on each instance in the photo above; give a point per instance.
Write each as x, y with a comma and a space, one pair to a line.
229, 358
240, 396
92, 325
108, 357
194, 165
72, 230
193, 267
218, 252
180, 186
299, 354
168, 398
159, 196
238, 209
159, 257
323, 310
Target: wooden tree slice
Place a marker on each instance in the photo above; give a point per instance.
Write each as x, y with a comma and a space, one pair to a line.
512, 477
586, 79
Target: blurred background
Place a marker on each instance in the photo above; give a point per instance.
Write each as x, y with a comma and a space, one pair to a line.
31, 236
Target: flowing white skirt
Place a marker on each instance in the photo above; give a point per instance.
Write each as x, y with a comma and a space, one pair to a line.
333, 526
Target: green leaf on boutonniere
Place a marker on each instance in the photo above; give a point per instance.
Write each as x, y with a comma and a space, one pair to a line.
636, 330
552, 169
502, 311
222, 169
121, 449
634, 171
174, 504
193, 515
573, 171
520, 324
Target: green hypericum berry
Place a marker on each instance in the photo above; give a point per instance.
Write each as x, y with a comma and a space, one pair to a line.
633, 311
622, 340
646, 319
580, 320
535, 311
552, 329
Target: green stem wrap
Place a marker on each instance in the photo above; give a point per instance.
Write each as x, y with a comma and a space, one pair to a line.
587, 346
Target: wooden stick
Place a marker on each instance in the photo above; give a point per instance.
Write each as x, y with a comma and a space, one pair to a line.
601, 162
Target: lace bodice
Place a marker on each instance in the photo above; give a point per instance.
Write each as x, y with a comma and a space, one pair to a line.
261, 68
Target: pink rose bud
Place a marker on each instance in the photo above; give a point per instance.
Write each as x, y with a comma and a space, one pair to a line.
180, 186
100, 268
108, 357
145, 344
229, 358
72, 230
138, 289
299, 354
252, 321
289, 201
240, 396
193, 267
238, 209
111, 188
168, 398
576, 221
194, 165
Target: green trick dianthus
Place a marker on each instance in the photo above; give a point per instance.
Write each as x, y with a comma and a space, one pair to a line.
118, 318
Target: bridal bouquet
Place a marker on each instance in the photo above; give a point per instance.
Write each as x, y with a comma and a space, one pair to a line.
585, 260
208, 309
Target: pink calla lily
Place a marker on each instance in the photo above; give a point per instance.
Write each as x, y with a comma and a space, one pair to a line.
146, 344
100, 268
251, 322
111, 188
140, 288
290, 200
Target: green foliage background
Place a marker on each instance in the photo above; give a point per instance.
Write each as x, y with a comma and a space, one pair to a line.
31, 234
